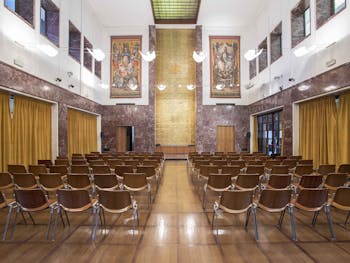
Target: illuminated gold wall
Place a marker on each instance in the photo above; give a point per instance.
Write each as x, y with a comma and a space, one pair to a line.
175, 106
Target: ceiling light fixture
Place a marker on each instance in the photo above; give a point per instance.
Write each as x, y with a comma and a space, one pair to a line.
330, 88
48, 50
191, 87
252, 54
302, 51
198, 56
97, 53
133, 86
149, 56
303, 87
219, 87
161, 87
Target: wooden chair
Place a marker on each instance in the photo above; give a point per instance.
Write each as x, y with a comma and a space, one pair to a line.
6, 181
24, 181
341, 200
79, 181
335, 180
116, 202
106, 181
217, 183
247, 182
232, 170
51, 182
279, 181
278, 201
307, 181
314, 200
236, 202
325, 169
136, 182
301, 162
114, 162
47, 163
30, 200
303, 169
16, 168
291, 163
80, 169
151, 173
64, 162
120, 170
75, 201
255, 169
37, 169
79, 162
344, 168
61, 169
280, 169
101, 169
97, 163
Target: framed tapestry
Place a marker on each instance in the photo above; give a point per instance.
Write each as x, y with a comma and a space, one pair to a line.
225, 67
125, 66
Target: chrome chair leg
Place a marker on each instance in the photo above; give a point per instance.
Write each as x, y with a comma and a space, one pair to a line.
7, 222
347, 218
292, 223
314, 219
247, 218
255, 223
49, 224
330, 222
58, 210
14, 222
280, 221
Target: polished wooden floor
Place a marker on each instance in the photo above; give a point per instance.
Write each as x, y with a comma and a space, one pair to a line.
176, 229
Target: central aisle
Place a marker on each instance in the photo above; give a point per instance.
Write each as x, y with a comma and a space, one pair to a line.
177, 229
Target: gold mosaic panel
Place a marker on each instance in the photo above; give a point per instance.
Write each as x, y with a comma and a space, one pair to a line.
175, 106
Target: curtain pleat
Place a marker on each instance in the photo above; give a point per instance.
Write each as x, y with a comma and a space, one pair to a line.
255, 134
317, 131
343, 137
27, 136
82, 132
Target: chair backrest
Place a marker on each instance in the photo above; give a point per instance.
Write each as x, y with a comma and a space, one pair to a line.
247, 181
280, 158
270, 163
24, 180
291, 163
199, 163
219, 181
97, 162
304, 169
344, 168
74, 200
205, 153
80, 169
275, 200
114, 162
279, 181
219, 163
232, 170
296, 157
61, 169
231, 158
312, 199
236, 201
62, 162
279, 169
135, 181
239, 163
31, 199
150, 162
218, 153
105, 181
62, 157
335, 180
3, 202
79, 162
101, 169
133, 163
310, 181
79, 181
305, 162
114, 200
255, 169
37, 169
47, 163
205, 170
51, 182
341, 198
325, 169
120, 170
5, 181
148, 170
255, 162
16, 168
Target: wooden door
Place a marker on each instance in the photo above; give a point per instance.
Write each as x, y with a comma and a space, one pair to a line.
225, 138
121, 139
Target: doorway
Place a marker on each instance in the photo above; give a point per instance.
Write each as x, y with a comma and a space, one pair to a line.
125, 138
225, 139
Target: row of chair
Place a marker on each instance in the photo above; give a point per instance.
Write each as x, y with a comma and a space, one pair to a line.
69, 201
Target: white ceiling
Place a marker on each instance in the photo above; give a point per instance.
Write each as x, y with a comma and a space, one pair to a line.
226, 13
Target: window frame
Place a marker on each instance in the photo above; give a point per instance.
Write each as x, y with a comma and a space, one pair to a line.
32, 25
70, 23
320, 24
85, 51
292, 16
272, 60
46, 27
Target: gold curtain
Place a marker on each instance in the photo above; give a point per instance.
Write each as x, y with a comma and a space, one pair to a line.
27, 136
317, 130
82, 132
255, 134
343, 138
5, 131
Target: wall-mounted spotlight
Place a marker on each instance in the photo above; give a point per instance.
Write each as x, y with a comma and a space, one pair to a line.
71, 86
69, 74
58, 80
291, 79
